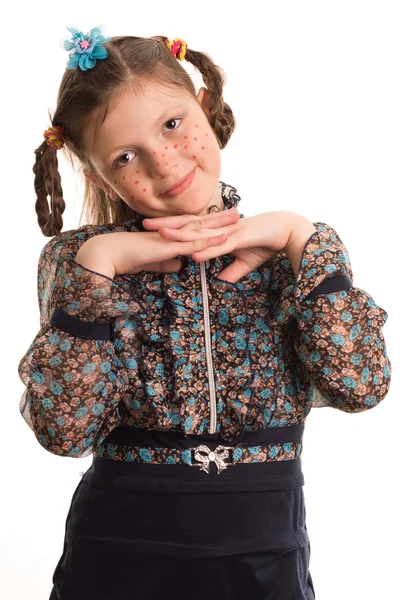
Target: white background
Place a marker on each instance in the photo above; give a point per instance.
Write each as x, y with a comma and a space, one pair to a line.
314, 86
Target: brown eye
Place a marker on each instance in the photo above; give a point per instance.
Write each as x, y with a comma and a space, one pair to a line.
173, 121
117, 162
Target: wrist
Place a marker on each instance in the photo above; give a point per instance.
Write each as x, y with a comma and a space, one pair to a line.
90, 258
301, 231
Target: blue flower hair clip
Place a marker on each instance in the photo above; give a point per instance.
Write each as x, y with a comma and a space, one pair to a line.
85, 49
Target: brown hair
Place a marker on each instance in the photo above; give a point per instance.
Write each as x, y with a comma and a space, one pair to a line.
130, 61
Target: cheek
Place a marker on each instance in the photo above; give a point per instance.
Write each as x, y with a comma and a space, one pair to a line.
193, 144
121, 186
196, 143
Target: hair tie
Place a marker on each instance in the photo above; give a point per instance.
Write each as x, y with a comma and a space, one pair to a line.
54, 137
85, 49
177, 47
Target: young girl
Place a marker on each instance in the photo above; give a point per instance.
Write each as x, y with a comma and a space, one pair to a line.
182, 344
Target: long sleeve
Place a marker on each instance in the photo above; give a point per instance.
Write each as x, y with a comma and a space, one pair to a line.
337, 334
73, 377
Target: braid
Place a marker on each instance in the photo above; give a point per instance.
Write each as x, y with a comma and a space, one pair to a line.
221, 117
48, 183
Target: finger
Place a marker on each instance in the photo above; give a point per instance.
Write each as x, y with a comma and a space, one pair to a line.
201, 254
234, 271
191, 235
188, 248
174, 249
213, 220
178, 221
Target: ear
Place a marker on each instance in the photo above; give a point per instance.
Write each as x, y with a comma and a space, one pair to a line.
203, 98
102, 185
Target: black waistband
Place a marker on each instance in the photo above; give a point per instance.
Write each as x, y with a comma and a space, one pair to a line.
167, 478
175, 439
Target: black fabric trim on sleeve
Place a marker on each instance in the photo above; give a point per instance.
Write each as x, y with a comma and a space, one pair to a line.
82, 329
332, 284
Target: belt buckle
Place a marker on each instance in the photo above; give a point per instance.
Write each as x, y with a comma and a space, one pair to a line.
205, 455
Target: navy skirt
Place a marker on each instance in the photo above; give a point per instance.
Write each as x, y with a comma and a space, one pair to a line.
149, 531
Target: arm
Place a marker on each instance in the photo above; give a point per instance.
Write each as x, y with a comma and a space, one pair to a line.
73, 377
338, 335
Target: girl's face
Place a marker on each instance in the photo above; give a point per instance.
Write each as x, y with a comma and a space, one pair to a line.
151, 140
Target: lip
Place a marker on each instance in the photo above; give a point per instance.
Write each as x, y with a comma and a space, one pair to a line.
181, 186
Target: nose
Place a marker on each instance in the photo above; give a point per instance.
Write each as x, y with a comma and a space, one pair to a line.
160, 162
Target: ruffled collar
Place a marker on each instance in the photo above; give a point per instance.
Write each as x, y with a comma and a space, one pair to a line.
229, 197
228, 194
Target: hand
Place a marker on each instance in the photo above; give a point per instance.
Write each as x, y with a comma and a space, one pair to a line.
130, 252
253, 240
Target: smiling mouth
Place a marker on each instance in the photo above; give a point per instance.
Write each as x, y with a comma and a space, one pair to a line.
181, 186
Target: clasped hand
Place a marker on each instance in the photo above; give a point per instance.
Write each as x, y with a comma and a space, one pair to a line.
252, 240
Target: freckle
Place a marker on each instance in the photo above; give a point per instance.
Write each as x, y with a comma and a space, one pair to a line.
185, 147
185, 137
195, 139
137, 181
144, 189
132, 197
162, 154
194, 156
175, 145
115, 181
202, 147
123, 177
207, 134
196, 125
166, 164
137, 171
158, 164
166, 147
154, 152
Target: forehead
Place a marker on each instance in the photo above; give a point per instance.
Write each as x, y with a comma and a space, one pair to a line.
143, 99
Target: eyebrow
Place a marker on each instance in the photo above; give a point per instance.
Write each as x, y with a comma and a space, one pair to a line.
163, 116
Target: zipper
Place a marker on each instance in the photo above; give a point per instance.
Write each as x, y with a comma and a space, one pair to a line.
207, 334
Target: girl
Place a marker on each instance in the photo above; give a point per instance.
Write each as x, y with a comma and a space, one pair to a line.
182, 344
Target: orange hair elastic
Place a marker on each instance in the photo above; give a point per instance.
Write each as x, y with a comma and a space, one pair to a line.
54, 137
177, 47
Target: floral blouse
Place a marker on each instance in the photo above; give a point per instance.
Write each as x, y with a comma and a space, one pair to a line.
193, 353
